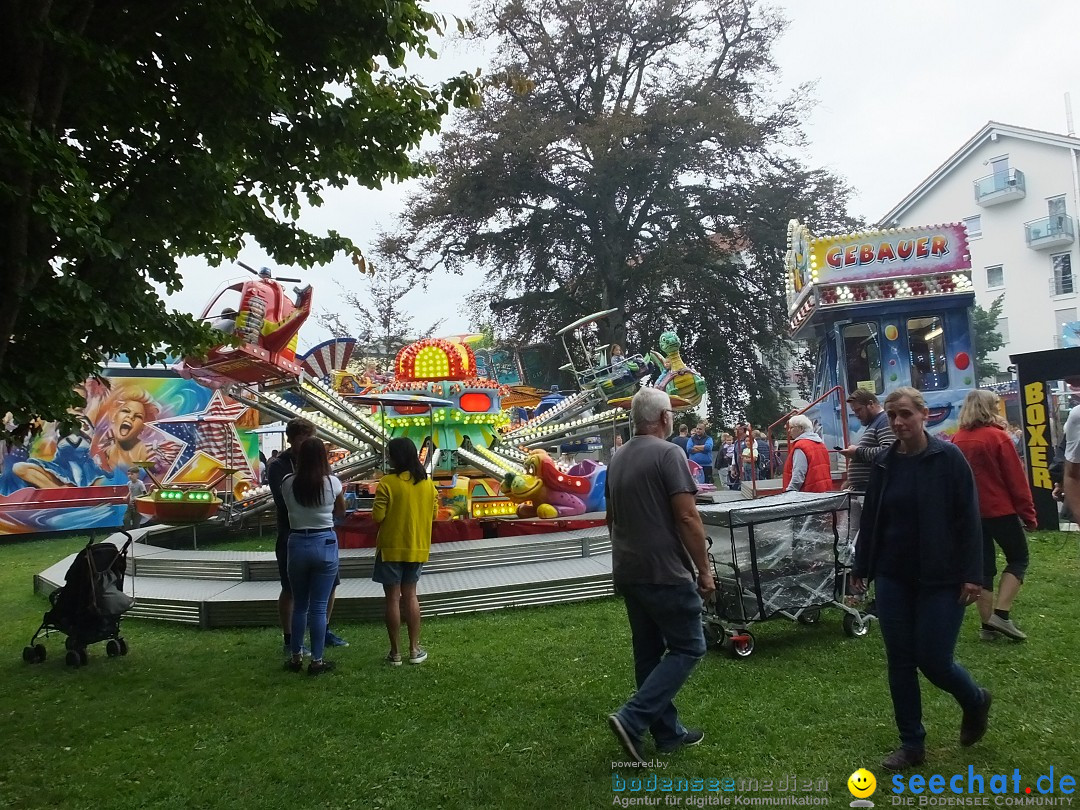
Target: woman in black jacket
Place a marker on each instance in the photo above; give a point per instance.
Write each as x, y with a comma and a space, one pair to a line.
920, 539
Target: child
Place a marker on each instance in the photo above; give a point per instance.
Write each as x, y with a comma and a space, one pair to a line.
136, 488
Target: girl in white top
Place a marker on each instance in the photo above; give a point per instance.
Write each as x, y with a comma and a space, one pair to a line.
314, 500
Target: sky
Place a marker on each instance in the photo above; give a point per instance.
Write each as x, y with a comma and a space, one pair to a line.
899, 88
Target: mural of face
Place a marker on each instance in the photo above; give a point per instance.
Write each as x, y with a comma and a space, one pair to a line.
127, 422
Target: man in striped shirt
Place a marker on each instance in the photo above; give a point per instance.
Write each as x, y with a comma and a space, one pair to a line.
876, 437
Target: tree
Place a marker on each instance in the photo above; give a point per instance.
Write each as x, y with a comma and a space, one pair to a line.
135, 133
987, 338
382, 327
632, 159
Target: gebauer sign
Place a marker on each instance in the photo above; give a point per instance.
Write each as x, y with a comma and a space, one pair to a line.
890, 253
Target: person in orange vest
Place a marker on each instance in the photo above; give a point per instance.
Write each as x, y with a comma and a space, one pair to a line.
807, 466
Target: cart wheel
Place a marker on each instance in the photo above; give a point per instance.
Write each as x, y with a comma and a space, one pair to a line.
84, 657
112, 649
741, 645
855, 626
28, 654
714, 636
810, 616
72, 658
39, 652
122, 645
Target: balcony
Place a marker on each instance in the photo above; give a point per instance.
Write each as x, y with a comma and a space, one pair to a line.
1049, 232
1062, 284
1000, 187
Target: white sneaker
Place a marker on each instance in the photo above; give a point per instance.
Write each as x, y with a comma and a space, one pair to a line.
1006, 628
418, 656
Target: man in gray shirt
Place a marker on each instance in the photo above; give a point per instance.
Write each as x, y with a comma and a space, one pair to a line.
876, 437
661, 569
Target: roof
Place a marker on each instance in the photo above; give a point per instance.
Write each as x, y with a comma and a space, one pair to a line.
991, 128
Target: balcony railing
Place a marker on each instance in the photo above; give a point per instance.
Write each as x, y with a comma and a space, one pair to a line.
1063, 285
1052, 231
1000, 187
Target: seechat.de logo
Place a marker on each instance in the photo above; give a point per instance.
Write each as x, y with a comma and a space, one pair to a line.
862, 785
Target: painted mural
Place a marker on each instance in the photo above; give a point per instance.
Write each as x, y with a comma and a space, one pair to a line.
180, 431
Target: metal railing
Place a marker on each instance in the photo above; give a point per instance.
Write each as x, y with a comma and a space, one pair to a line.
999, 181
1062, 285
836, 389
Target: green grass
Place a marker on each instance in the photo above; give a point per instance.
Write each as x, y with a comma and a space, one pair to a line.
509, 711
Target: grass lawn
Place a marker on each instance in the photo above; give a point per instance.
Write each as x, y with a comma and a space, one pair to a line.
509, 711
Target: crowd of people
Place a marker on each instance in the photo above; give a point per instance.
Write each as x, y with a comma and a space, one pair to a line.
934, 514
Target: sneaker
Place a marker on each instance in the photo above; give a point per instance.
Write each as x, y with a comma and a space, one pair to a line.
334, 640
319, 667
1006, 628
628, 743
987, 634
393, 659
903, 758
693, 736
974, 723
294, 666
418, 656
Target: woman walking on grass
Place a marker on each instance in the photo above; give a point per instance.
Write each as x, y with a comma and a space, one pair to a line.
405, 505
920, 539
313, 497
1005, 506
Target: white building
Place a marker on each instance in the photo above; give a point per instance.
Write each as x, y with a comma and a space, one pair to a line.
1018, 192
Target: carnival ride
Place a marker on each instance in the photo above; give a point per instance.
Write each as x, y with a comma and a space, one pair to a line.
881, 310
483, 466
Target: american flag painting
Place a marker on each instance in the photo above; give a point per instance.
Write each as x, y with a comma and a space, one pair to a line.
211, 431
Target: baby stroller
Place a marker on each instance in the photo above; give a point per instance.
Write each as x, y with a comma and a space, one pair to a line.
87, 609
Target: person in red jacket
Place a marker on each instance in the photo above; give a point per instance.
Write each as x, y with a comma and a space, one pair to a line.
807, 465
1004, 504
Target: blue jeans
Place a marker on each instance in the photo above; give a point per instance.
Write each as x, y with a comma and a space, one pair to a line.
313, 567
662, 618
920, 625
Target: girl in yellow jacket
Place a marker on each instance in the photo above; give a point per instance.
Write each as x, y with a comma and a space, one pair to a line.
405, 505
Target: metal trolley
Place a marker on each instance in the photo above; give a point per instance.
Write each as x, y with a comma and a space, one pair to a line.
789, 555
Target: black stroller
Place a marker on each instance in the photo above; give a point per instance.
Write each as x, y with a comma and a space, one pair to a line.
87, 609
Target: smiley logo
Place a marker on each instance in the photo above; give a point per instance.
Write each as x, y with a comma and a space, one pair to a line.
862, 783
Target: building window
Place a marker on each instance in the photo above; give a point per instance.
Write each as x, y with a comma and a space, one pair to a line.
1063, 282
1063, 319
862, 352
974, 226
1003, 329
995, 277
926, 347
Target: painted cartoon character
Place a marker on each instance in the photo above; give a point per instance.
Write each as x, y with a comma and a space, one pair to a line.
679, 380
544, 491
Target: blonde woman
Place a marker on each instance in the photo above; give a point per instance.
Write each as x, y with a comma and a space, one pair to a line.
1005, 507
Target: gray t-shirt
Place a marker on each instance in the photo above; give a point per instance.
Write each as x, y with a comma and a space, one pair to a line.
645, 544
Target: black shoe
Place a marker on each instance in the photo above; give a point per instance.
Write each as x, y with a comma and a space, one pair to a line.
294, 666
628, 743
319, 667
693, 736
903, 758
973, 725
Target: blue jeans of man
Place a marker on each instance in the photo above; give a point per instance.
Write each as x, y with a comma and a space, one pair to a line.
920, 625
313, 567
665, 622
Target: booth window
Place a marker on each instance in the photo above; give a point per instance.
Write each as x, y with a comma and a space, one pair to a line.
862, 353
926, 343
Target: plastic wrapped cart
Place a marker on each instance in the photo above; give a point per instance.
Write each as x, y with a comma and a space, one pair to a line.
786, 555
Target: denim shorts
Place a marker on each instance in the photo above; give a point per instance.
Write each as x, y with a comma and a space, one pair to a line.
395, 573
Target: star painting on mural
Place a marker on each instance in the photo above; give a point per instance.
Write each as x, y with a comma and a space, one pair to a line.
210, 441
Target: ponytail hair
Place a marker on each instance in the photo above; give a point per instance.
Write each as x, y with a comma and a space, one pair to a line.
403, 458
312, 469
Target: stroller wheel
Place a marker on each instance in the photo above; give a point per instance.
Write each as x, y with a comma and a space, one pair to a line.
84, 658
810, 616
855, 626
39, 652
72, 659
28, 655
714, 636
112, 649
741, 644
122, 646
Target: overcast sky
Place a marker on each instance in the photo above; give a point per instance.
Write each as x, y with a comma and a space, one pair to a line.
900, 87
